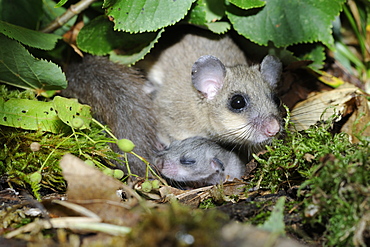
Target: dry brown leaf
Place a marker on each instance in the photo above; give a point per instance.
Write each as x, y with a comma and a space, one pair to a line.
358, 122
220, 193
188, 197
228, 192
308, 157
90, 188
323, 106
70, 37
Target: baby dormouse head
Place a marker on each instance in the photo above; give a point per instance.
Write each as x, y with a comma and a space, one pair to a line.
197, 159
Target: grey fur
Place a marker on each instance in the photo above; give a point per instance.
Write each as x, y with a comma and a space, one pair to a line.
184, 110
271, 68
115, 94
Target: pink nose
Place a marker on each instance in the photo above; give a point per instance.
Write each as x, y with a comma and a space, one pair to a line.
272, 127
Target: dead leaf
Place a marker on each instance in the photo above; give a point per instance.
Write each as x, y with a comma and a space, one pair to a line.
228, 192
70, 37
90, 188
322, 106
358, 122
188, 197
309, 157
220, 193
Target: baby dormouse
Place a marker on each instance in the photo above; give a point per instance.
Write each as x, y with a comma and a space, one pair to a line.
198, 160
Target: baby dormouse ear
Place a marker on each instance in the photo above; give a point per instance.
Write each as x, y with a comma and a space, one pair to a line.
271, 68
217, 165
207, 75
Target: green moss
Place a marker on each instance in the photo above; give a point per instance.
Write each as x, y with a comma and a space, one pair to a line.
207, 204
25, 152
18, 161
335, 171
340, 191
16, 94
263, 212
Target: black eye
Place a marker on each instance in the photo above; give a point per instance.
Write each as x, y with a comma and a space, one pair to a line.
187, 161
238, 103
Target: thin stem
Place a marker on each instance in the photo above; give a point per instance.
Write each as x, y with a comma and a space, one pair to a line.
73, 10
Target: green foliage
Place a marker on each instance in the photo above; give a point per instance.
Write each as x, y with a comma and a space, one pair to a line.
135, 26
99, 38
356, 21
282, 23
61, 3
27, 155
248, 4
30, 115
275, 223
54, 116
19, 68
18, 162
136, 16
69, 109
287, 22
336, 172
208, 13
317, 55
340, 191
207, 204
24, 13
291, 160
29, 37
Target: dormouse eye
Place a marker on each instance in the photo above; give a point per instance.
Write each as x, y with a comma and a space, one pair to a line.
237, 103
187, 161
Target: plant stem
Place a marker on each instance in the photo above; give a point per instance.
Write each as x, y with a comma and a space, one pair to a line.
73, 10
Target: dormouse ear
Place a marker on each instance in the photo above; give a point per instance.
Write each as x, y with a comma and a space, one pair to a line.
217, 165
208, 75
271, 68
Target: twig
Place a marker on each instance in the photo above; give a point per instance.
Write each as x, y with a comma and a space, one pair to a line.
73, 10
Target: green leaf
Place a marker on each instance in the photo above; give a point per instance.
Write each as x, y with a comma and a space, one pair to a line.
99, 38
317, 55
25, 13
30, 115
347, 53
69, 109
275, 223
20, 69
29, 37
146, 15
250, 4
287, 22
133, 55
206, 11
218, 27
60, 3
